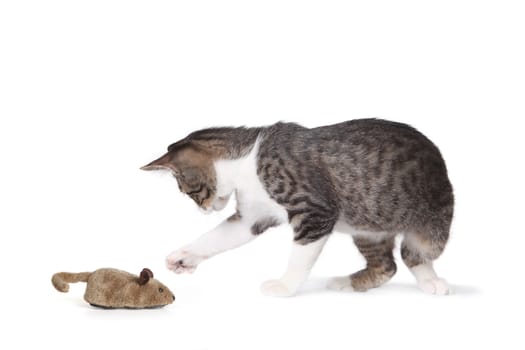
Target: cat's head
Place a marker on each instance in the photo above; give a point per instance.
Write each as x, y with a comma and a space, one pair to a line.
193, 168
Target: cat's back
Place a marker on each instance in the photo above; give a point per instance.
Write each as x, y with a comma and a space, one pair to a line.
375, 171
368, 131
362, 135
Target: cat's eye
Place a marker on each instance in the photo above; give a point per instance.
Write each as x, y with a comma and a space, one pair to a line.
161, 290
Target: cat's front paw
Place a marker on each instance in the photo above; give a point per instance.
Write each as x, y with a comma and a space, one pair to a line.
183, 261
276, 288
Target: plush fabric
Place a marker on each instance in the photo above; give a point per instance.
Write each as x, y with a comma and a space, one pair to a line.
112, 288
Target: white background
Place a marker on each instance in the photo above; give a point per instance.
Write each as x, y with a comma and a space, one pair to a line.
92, 90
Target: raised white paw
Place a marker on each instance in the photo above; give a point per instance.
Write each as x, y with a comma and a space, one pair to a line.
343, 283
181, 261
276, 288
437, 286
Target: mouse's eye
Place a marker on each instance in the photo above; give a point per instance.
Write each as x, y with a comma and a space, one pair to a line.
161, 290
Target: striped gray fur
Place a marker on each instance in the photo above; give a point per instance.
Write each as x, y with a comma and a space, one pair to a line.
374, 175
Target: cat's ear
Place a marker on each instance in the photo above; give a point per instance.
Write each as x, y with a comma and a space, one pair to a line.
166, 162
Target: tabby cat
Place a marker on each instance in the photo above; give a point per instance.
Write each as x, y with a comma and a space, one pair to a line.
373, 179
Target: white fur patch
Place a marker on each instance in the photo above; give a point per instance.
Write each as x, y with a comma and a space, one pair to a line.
428, 281
302, 259
343, 227
240, 175
343, 283
275, 288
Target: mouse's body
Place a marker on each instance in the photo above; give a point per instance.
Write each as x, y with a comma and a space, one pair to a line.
112, 288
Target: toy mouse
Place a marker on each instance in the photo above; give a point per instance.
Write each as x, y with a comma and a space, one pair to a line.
112, 288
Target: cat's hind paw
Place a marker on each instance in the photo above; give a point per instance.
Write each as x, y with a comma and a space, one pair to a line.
437, 286
276, 288
343, 283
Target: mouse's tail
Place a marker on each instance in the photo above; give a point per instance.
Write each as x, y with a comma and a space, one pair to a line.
61, 280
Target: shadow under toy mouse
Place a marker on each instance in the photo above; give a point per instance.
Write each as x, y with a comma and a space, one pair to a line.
112, 288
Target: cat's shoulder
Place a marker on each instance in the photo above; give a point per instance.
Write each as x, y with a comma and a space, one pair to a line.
285, 127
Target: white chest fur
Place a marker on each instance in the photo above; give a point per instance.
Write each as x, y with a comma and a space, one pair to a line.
240, 175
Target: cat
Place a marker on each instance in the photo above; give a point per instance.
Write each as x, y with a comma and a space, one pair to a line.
371, 178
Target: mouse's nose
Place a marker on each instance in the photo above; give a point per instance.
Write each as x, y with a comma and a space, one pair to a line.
173, 296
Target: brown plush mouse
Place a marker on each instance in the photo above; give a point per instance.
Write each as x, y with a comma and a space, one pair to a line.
111, 288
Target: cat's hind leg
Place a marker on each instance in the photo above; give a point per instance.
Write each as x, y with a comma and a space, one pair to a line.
380, 266
418, 252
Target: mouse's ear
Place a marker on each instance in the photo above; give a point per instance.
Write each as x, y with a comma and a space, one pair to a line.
145, 276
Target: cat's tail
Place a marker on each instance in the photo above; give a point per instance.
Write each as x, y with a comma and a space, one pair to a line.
61, 280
